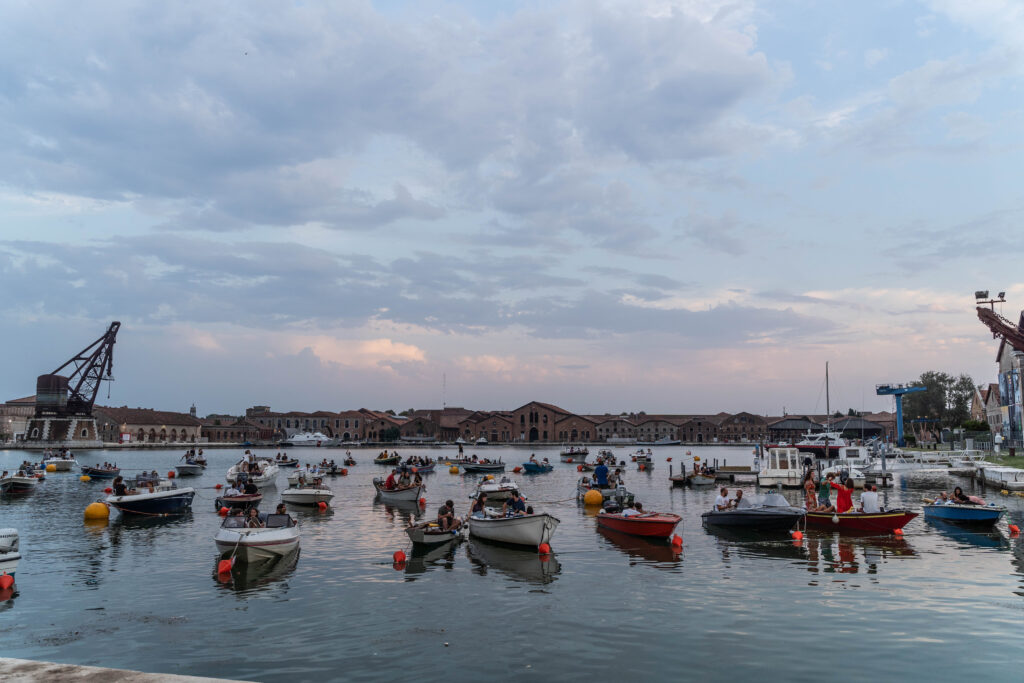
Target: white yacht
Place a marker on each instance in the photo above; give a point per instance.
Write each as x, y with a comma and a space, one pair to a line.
310, 439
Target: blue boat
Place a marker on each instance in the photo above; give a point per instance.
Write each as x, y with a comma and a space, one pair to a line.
101, 472
537, 467
971, 514
162, 500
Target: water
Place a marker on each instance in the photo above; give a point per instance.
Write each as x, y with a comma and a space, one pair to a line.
935, 605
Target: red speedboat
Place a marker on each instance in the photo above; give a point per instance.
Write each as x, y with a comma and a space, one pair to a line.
651, 524
878, 522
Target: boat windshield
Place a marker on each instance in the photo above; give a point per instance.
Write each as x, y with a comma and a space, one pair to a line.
278, 521
764, 500
237, 522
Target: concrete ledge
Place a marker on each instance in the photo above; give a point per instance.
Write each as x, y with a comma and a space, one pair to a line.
28, 671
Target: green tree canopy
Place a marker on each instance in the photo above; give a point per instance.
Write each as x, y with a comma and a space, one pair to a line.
947, 398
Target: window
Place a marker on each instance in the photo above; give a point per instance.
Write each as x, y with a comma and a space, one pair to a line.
357, 424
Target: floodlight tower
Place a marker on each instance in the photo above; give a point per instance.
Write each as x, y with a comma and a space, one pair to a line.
897, 391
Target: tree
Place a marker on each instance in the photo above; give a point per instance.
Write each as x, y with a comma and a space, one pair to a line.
975, 425
389, 412
946, 398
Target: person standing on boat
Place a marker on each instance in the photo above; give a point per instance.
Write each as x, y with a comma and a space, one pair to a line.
601, 476
844, 495
824, 494
810, 497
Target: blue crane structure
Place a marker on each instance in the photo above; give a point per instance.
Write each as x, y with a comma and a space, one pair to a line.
897, 390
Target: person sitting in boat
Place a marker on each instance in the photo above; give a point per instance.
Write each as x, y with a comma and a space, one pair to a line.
869, 501
250, 489
514, 506
533, 458
844, 495
545, 461
253, 520
417, 479
632, 510
119, 487
232, 492
404, 480
389, 483
601, 476
444, 517
477, 508
943, 499
722, 502
738, 500
455, 522
960, 498
824, 494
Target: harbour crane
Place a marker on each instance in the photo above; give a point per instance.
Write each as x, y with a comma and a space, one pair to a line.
897, 391
74, 395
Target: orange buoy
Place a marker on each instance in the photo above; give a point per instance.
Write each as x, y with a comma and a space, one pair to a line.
423, 501
170, 475
6, 581
344, 472
398, 566
108, 490
898, 532
544, 549
677, 541
642, 467
399, 556
415, 470
517, 469
224, 566
322, 505
219, 486
579, 468
668, 459
797, 535
568, 459
1014, 529
223, 512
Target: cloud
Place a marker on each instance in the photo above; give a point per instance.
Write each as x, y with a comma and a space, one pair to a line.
714, 233
875, 56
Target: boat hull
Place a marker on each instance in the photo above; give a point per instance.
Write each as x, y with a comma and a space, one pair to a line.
100, 473
432, 536
659, 525
986, 515
767, 520
160, 503
878, 522
60, 464
189, 470
701, 480
307, 496
528, 530
243, 502
536, 468
409, 495
256, 547
473, 468
387, 461
18, 486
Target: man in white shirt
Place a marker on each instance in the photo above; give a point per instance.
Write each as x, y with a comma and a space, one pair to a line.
869, 500
722, 502
232, 491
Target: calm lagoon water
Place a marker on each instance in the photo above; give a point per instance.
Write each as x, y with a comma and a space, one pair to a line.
939, 604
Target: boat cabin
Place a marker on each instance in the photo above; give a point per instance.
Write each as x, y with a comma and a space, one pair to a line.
785, 459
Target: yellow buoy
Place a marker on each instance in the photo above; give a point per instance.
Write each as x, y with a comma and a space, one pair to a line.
593, 497
51, 467
97, 511
490, 477
1005, 492
453, 469
85, 477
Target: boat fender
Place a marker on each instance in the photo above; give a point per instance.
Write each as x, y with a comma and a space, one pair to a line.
1014, 529
399, 556
223, 512
835, 519
322, 505
6, 581
797, 535
219, 486
171, 474
224, 566
544, 549
677, 541
897, 532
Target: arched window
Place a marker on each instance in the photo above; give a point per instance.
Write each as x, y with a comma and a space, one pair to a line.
35, 433
85, 433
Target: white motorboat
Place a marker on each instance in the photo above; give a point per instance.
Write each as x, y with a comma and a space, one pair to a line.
310, 439
430, 534
852, 472
783, 467
17, 484
189, 469
398, 495
575, 451
266, 475
279, 537
9, 550
307, 475
529, 530
823, 444
61, 464
482, 441
497, 490
307, 495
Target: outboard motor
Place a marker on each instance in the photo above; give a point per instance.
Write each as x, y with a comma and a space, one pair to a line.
9, 544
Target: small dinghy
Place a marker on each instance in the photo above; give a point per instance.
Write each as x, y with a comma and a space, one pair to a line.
158, 499
189, 468
101, 472
307, 495
279, 537
861, 522
431, 534
294, 462
700, 480
650, 524
242, 501
496, 490
483, 467
769, 512
398, 495
618, 494
422, 469
349, 462
528, 530
384, 459
981, 515
537, 467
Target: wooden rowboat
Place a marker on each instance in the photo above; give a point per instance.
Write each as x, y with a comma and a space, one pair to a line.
651, 524
863, 522
408, 494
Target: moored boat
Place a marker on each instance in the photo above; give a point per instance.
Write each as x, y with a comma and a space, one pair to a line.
497, 489
398, 495
650, 524
431, 534
261, 471
862, 522
307, 495
967, 514
764, 513
163, 498
387, 459
279, 537
617, 493
476, 467
701, 480
242, 501
528, 530
189, 469
537, 467
10, 552
61, 464
99, 472
17, 484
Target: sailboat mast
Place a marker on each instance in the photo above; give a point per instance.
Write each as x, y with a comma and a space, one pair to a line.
828, 412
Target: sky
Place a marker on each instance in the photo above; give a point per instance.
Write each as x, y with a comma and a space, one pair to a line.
681, 206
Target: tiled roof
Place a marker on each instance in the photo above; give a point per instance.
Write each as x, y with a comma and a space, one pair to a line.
28, 399
146, 416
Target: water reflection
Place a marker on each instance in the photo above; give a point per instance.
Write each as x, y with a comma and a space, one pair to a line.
965, 534
519, 565
845, 554
749, 543
425, 558
246, 577
643, 550
399, 514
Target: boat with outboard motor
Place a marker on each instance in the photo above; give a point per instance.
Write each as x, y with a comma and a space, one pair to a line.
278, 536
573, 452
398, 495
981, 515
307, 494
241, 501
608, 493
260, 470
189, 468
431, 534
101, 472
385, 459
17, 484
62, 462
767, 512
483, 466
529, 530
496, 489
647, 524
153, 497
531, 467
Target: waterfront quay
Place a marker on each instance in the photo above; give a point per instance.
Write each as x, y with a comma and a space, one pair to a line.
145, 594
